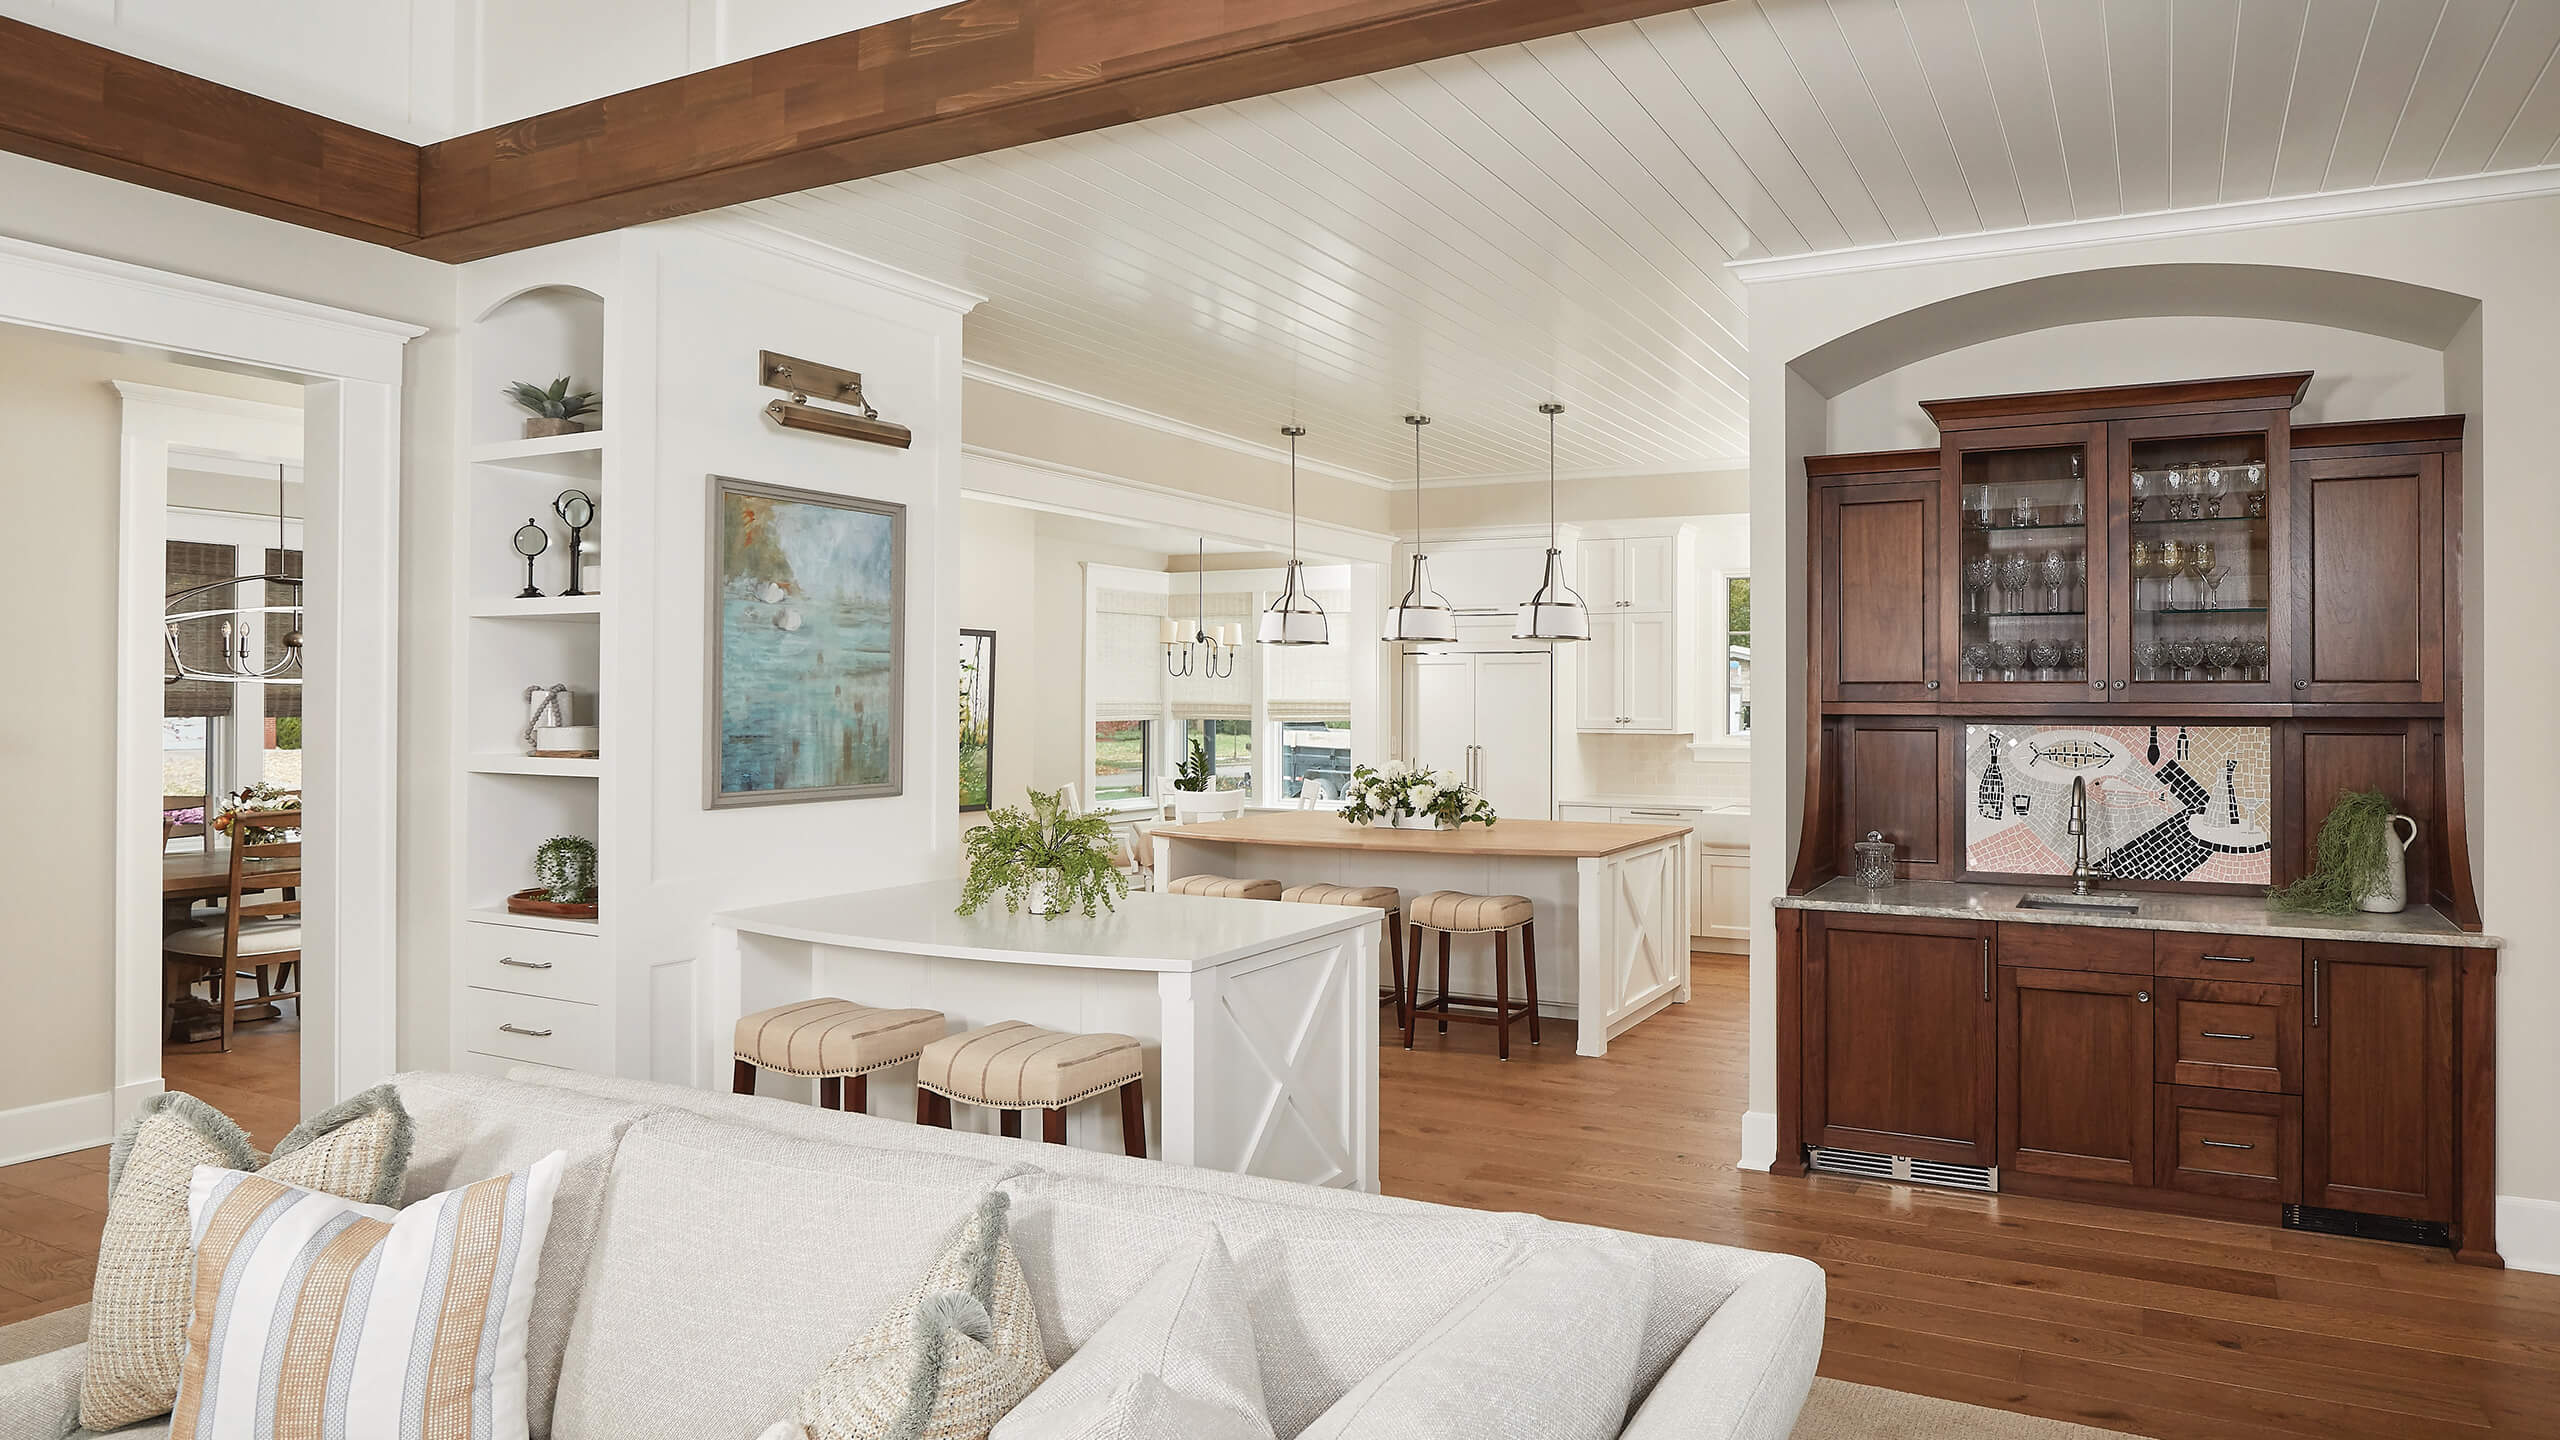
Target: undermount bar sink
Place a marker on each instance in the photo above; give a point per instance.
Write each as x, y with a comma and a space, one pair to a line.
2088, 904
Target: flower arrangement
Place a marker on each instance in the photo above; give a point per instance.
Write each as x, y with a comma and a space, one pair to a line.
260, 796
1047, 856
1410, 791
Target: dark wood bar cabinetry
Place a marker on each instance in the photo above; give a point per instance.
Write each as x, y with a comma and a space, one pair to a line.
2150, 558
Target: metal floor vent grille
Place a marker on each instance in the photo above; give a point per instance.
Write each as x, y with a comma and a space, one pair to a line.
2366, 1227
1868, 1165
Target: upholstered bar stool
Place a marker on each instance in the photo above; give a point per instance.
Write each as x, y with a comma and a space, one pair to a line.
1453, 912
1012, 1066
1225, 888
835, 1042
1374, 897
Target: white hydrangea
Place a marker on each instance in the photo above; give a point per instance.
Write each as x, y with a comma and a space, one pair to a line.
1424, 794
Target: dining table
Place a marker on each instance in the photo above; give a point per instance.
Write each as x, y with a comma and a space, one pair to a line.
185, 878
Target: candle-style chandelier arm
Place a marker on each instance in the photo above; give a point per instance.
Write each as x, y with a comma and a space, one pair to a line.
180, 609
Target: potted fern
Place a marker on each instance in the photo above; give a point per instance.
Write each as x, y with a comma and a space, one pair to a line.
556, 409
1044, 858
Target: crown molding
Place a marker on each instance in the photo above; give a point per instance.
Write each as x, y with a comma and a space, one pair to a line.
1163, 424
2539, 180
794, 246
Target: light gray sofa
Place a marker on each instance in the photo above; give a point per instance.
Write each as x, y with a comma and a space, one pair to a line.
708, 1253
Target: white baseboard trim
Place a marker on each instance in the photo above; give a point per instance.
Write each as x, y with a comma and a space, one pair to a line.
2529, 1233
1759, 1140
32, 1132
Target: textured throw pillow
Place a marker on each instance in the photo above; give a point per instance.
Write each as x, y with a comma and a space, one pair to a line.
1547, 1348
946, 1362
1174, 1363
319, 1317
358, 1150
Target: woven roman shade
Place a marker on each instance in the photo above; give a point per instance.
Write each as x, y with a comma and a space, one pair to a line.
191, 563
1195, 696
1128, 655
1313, 682
282, 700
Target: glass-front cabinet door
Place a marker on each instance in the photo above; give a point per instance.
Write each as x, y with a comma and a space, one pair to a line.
2026, 527
2204, 562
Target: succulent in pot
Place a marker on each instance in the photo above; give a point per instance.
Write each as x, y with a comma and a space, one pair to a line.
556, 409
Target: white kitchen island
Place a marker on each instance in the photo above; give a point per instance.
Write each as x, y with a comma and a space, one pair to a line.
1613, 901
1259, 1020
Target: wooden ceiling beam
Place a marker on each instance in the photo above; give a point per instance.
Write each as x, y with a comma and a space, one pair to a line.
76, 104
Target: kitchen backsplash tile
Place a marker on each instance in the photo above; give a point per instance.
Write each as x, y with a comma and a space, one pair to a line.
2166, 802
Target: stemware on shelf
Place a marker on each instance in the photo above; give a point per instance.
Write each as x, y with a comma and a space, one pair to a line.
2221, 655
2137, 566
2008, 655
2146, 659
2016, 573
2199, 560
2177, 488
2023, 514
1976, 656
2080, 576
2254, 481
2185, 655
2217, 483
2167, 559
2055, 569
1978, 575
2143, 485
2075, 658
1980, 515
2046, 656
2213, 586
2254, 650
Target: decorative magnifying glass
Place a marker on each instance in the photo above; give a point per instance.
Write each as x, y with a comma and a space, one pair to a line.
531, 540
577, 512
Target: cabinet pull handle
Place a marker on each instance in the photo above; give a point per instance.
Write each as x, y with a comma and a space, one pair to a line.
1933, 684
2119, 684
2142, 995
1658, 814
1986, 969
2225, 1035
520, 1030
2229, 1145
524, 964
2231, 959
2315, 994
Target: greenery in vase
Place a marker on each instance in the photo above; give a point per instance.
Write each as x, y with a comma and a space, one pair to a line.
2353, 853
1019, 850
1410, 788
260, 796
1193, 777
566, 866
555, 401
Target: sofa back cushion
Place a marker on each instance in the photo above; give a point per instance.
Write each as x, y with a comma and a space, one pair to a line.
471, 1127
732, 1263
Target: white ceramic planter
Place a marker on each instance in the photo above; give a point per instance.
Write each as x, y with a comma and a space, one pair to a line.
2392, 895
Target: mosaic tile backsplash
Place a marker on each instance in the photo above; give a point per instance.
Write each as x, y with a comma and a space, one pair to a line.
2166, 802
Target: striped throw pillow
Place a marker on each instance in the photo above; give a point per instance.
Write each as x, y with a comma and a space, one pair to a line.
317, 1318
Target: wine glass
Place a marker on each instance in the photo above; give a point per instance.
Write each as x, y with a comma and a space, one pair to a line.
2167, 559
2254, 651
2016, 573
2045, 656
2199, 560
2221, 655
2143, 485
2023, 513
2185, 655
2146, 659
2138, 566
2177, 488
2008, 655
2075, 658
1977, 657
2055, 570
2254, 480
2217, 483
1977, 578
2213, 586
2080, 575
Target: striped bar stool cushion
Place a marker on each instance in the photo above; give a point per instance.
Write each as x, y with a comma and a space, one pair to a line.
1226, 889
1013, 1065
831, 1038
1374, 897
1455, 910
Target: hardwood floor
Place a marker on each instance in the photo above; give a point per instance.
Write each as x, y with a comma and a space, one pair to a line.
2155, 1324
52, 1210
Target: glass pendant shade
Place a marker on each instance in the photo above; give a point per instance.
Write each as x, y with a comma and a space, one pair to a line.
1294, 617
1423, 616
1556, 612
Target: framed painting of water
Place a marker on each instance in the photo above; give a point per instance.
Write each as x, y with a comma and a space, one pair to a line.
806, 671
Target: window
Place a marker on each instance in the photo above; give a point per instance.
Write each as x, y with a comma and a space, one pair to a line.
282, 760
1315, 758
1737, 656
1122, 750
190, 756
1230, 744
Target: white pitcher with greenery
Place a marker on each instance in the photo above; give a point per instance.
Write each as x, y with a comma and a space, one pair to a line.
1048, 859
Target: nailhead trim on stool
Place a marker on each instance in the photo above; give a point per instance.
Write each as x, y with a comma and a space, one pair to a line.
830, 1041
1455, 912
1469, 914
1014, 1066
1224, 888
1373, 897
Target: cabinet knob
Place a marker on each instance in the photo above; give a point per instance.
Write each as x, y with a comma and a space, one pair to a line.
2301, 684
2119, 684
2097, 684
2142, 995
1933, 684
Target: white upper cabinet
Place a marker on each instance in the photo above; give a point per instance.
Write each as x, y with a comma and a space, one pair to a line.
1648, 571
1596, 571
1639, 669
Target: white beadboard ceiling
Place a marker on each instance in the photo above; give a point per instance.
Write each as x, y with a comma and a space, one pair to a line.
1478, 234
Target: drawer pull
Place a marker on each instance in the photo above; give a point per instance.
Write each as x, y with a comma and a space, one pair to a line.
520, 1030
524, 964
2230, 959
2226, 1035
2229, 1145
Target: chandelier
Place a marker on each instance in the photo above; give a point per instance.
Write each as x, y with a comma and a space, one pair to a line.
203, 603
1213, 651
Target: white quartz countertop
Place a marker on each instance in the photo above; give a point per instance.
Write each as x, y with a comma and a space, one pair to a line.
2203, 914
1148, 931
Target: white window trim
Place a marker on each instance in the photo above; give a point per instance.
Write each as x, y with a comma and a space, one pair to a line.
1719, 742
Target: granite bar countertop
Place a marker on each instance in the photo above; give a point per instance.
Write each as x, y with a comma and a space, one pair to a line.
2202, 914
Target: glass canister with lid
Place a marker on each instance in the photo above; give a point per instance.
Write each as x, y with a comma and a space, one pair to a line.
1875, 860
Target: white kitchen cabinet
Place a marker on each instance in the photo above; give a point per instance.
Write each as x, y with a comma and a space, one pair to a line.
1483, 715
1601, 814
1724, 894
1649, 573
1649, 671
1638, 670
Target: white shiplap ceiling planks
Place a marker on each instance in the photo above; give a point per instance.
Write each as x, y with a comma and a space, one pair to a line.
1478, 234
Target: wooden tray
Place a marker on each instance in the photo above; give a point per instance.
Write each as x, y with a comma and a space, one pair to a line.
530, 902
566, 754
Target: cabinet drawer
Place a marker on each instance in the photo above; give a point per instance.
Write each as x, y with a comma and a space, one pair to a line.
2258, 959
2230, 1036
533, 962
2076, 947
527, 1027
2215, 1142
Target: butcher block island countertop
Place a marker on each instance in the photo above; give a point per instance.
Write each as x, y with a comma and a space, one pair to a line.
1526, 839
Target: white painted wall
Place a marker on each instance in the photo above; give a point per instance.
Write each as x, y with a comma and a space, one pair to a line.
998, 591
2497, 367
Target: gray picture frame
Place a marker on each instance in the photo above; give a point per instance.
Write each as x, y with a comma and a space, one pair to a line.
714, 687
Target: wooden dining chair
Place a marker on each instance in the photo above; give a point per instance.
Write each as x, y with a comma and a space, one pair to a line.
266, 936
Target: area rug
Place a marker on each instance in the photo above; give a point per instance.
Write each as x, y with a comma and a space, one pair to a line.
44, 1334
1838, 1410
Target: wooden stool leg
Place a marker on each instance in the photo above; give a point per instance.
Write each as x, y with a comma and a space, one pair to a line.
1053, 1126
1395, 957
1529, 971
857, 1094
1412, 983
932, 1109
1133, 1117
830, 1093
224, 989
1009, 1124
1502, 994
744, 1083
1443, 1002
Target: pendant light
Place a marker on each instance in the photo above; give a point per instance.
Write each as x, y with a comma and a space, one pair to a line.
1294, 618
239, 622
1423, 616
1556, 612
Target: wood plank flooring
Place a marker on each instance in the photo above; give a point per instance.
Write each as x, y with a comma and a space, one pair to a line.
52, 1210
2153, 1324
